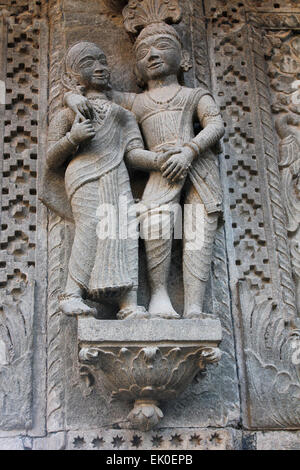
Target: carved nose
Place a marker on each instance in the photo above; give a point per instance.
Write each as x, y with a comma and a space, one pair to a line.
153, 53
100, 67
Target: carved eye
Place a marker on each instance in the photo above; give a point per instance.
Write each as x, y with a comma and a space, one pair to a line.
87, 63
141, 53
163, 45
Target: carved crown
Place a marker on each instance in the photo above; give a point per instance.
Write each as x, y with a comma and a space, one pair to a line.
140, 13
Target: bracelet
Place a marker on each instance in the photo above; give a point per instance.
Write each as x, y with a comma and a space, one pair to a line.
68, 136
156, 158
194, 147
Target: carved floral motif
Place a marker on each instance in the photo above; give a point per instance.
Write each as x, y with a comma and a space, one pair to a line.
148, 375
283, 50
138, 14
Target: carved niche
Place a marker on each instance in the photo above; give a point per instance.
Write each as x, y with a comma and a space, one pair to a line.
61, 231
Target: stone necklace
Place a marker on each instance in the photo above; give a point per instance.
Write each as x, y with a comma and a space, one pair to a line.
100, 107
166, 102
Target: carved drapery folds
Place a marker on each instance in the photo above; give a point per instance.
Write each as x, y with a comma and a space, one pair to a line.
247, 53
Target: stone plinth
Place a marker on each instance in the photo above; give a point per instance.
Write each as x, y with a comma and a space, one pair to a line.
147, 361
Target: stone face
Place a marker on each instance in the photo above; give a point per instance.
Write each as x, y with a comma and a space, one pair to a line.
58, 373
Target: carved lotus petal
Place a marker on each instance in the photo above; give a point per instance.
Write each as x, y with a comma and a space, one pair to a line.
149, 367
148, 411
115, 367
145, 416
185, 370
147, 391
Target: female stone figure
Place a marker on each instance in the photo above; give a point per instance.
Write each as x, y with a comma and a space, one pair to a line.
90, 157
166, 112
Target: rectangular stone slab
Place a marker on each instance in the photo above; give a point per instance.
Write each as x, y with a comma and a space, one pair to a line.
118, 331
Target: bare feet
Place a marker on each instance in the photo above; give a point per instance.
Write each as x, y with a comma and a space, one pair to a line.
133, 313
160, 306
195, 313
73, 305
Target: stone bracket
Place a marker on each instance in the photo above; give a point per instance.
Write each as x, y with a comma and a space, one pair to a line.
147, 361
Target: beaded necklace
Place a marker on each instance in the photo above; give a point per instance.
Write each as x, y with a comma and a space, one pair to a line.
166, 102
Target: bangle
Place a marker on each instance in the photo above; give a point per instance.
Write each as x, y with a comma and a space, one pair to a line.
194, 147
68, 136
156, 158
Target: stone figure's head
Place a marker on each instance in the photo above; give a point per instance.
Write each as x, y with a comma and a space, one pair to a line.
159, 53
86, 68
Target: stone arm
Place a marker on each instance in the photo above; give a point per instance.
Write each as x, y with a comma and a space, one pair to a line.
141, 159
212, 125
60, 147
79, 104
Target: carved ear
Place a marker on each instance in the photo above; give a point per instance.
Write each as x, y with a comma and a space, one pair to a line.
186, 63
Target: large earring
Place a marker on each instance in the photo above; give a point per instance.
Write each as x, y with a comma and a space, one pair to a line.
186, 63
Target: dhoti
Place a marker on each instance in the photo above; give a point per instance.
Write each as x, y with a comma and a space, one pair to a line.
162, 218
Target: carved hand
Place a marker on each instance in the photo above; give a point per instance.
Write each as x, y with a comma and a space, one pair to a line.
81, 131
176, 167
80, 105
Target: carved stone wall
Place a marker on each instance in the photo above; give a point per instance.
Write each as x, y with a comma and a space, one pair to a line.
247, 52
23, 239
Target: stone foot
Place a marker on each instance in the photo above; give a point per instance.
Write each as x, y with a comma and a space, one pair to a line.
160, 307
198, 315
72, 305
166, 315
133, 313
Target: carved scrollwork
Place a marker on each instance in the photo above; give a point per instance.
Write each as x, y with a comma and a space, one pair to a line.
271, 362
284, 68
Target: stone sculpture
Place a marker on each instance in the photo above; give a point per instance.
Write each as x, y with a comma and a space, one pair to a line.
185, 164
288, 128
90, 155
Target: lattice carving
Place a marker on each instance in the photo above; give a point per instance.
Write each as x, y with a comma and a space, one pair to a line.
243, 188
253, 191
20, 41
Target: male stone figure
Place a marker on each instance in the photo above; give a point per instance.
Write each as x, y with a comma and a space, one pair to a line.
166, 112
90, 157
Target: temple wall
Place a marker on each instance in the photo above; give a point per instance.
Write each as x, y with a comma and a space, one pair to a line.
247, 53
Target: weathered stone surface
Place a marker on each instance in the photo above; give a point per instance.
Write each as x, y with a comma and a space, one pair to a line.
161, 439
11, 443
280, 440
253, 211
147, 361
149, 331
56, 441
23, 50
48, 398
